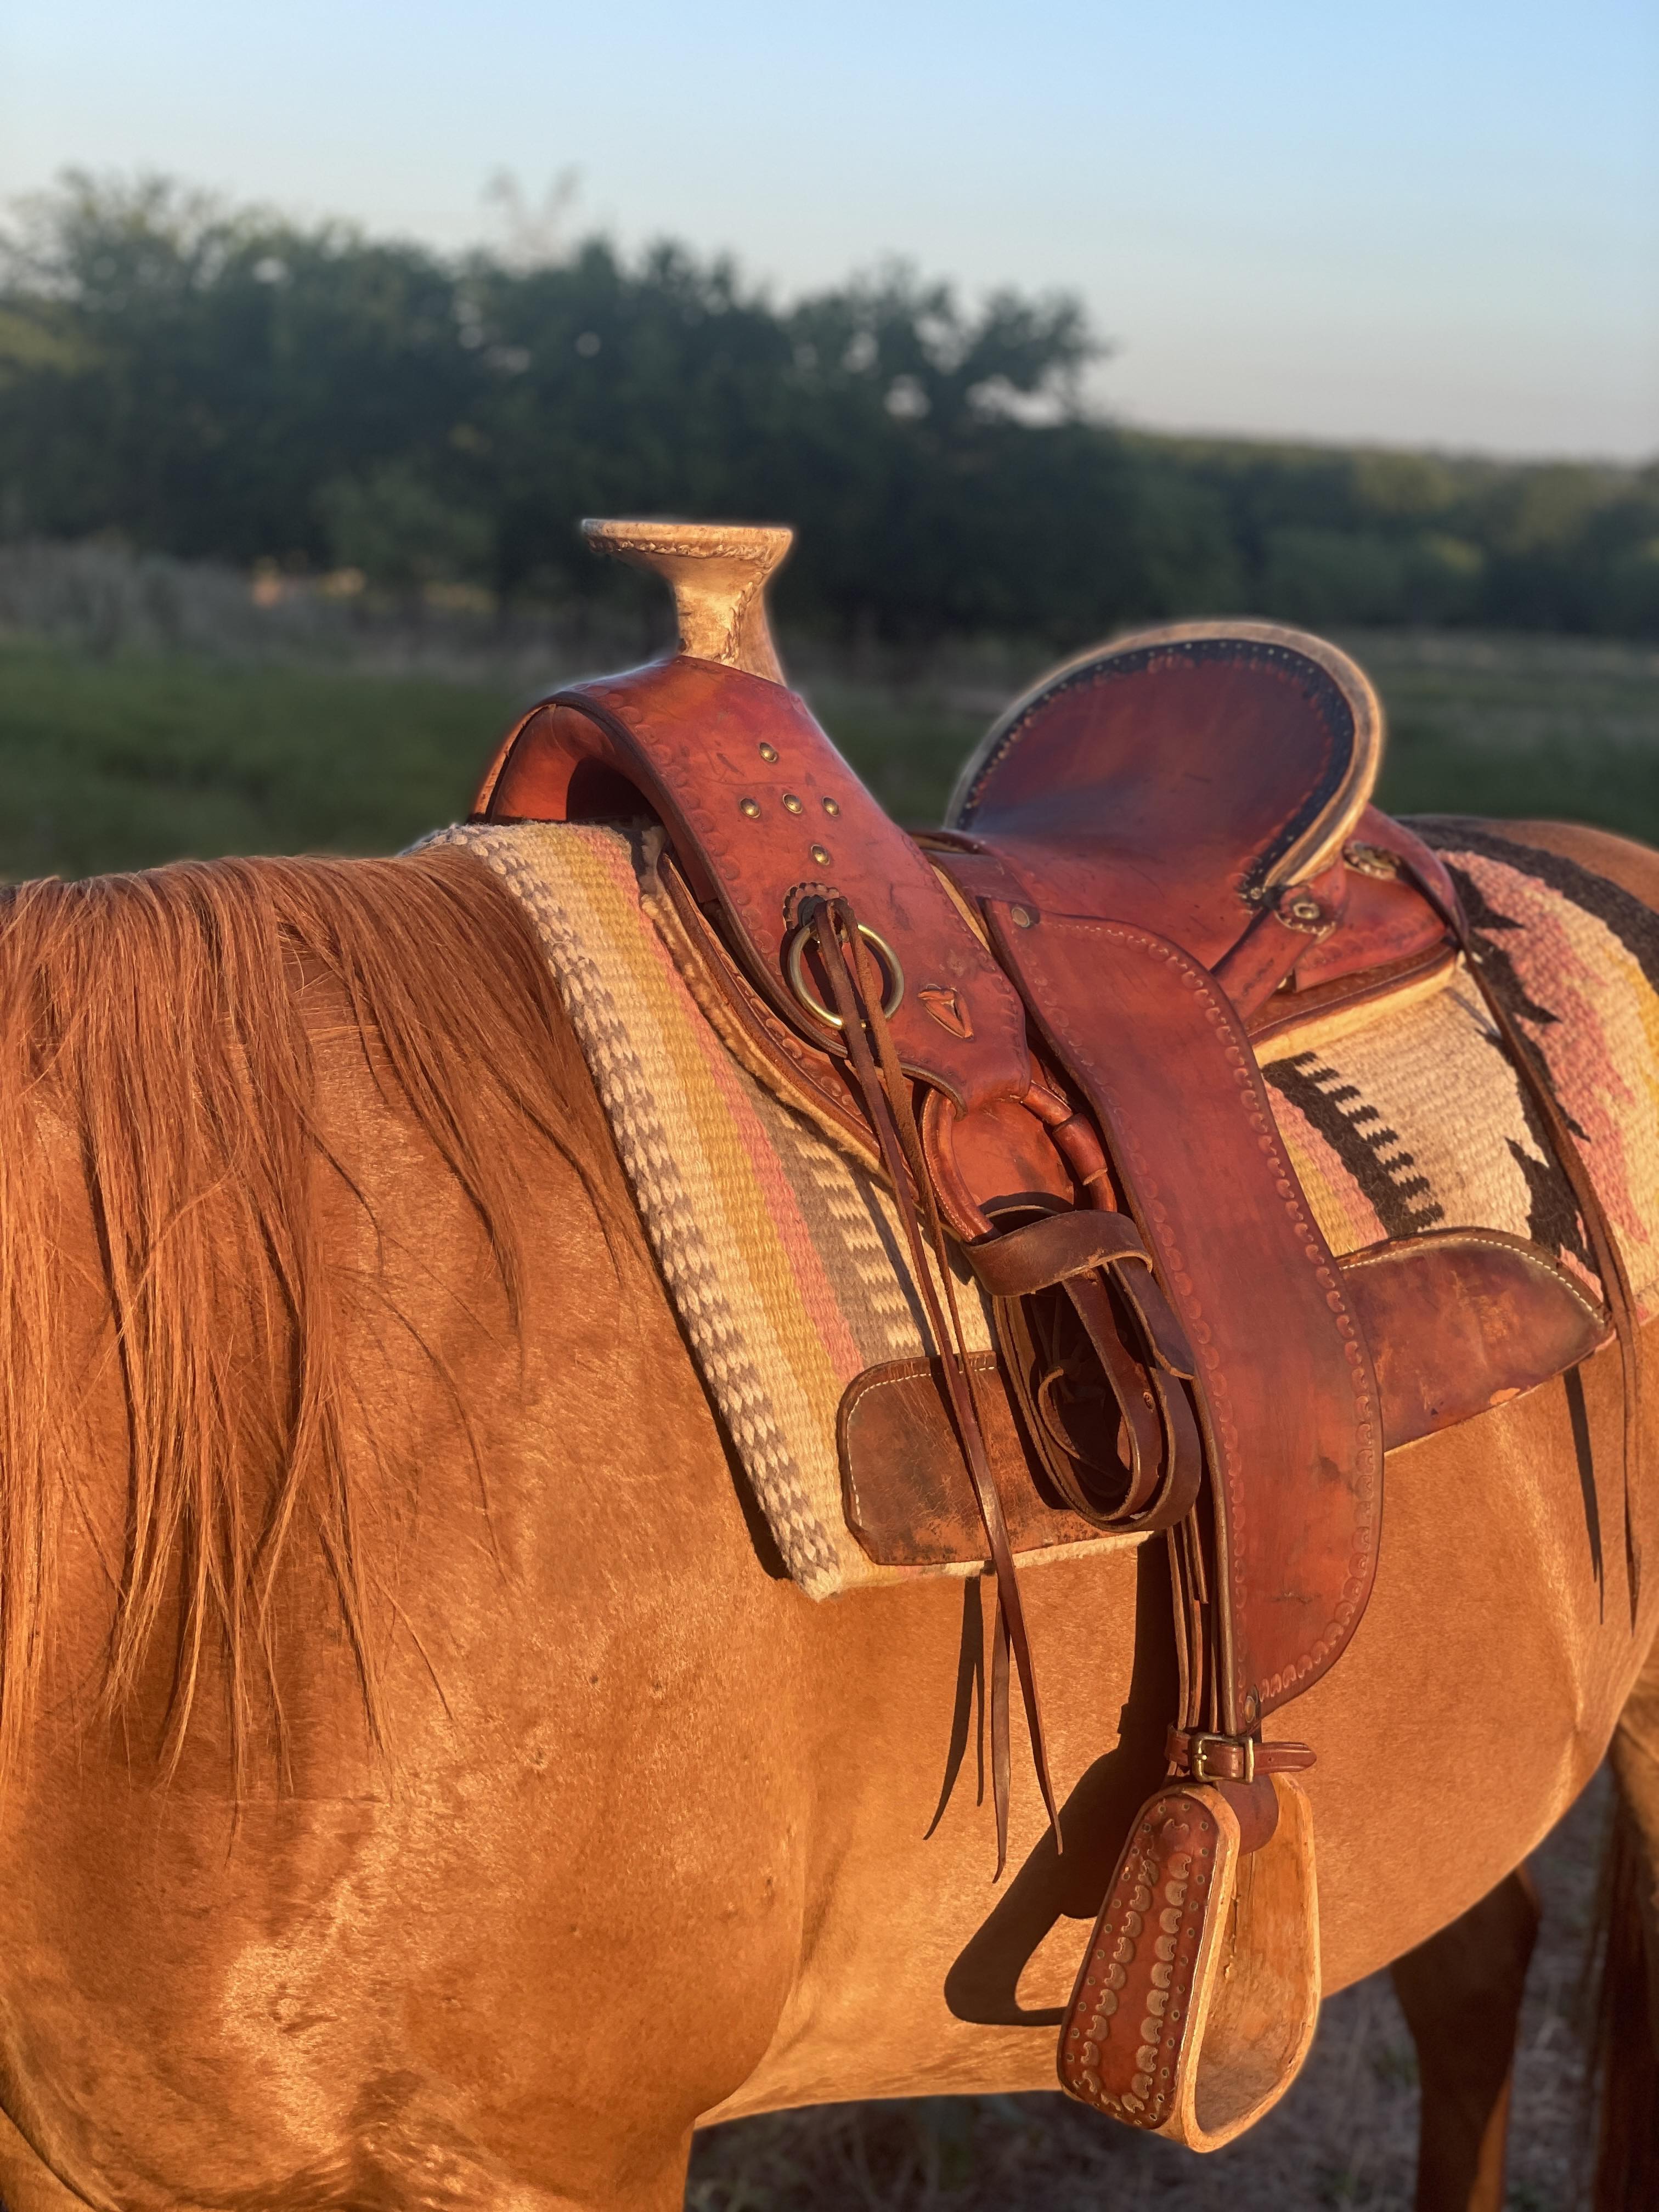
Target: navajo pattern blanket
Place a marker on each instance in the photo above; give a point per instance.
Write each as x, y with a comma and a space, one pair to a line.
781, 1252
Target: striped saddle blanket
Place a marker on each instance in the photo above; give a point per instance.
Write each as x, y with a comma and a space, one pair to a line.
782, 1252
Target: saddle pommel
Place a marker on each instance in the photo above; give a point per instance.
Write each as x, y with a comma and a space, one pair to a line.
717, 572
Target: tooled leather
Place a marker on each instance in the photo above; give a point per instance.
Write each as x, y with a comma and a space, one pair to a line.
1295, 1351
694, 732
1120, 2043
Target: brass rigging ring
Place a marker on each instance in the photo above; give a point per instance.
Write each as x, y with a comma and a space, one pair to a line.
794, 967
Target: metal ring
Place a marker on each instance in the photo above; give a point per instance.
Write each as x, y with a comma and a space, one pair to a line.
794, 967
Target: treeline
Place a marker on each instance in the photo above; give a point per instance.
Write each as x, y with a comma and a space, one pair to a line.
214, 382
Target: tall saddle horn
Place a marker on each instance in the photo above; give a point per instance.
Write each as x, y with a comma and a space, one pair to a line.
718, 574
1038, 1023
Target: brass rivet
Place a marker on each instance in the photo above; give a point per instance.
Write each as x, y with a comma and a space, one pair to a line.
767, 753
832, 807
1022, 917
791, 802
1372, 859
820, 856
751, 807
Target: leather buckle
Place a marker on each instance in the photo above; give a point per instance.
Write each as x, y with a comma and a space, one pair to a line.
1221, 1758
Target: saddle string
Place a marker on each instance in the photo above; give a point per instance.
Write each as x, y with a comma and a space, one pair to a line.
856, 986
1615, 1281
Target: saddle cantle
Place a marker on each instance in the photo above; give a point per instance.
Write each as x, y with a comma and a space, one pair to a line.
1039, 1023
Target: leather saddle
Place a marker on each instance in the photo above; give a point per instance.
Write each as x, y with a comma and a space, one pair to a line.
1040, 1024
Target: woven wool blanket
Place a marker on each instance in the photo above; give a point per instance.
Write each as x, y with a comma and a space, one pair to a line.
782, 1253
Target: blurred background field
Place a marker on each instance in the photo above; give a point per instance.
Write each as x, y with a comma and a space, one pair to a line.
287, 528
152, 708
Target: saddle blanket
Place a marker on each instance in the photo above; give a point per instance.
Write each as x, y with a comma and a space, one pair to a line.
782, 1255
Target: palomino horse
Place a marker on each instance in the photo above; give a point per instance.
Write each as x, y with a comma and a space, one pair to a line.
422, 1786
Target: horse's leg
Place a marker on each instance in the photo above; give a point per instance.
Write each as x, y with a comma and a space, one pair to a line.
1626, 2026
1627, 2022
1461, 1993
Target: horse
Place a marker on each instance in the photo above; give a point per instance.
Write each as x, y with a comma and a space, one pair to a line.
423, 1785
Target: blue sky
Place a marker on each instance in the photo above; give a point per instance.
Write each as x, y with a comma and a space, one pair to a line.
1404, 222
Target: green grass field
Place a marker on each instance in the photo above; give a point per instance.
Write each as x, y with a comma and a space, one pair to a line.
125, 761
136, 758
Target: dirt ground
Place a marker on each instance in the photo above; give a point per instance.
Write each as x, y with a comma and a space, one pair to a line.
1345, 2136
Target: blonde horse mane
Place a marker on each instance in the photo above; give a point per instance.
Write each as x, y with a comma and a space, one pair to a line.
153, 1036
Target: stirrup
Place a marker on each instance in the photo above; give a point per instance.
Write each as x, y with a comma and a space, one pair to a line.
1198, 1996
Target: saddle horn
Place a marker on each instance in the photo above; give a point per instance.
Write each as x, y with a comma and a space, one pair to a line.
717, 572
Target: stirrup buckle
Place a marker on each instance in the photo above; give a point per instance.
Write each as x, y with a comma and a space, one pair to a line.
1220, 1758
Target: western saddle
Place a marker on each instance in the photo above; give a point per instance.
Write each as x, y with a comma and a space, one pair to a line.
1041, 1024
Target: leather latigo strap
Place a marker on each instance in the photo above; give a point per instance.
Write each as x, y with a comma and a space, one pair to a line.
855, 987
1292, 1418
1128, 1457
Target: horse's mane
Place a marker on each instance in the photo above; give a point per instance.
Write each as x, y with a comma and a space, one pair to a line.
154, 1033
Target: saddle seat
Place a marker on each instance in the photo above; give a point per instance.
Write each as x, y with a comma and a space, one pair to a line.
1212, 781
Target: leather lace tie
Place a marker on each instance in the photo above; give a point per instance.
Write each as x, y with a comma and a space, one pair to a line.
1534, 1072
856, 987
